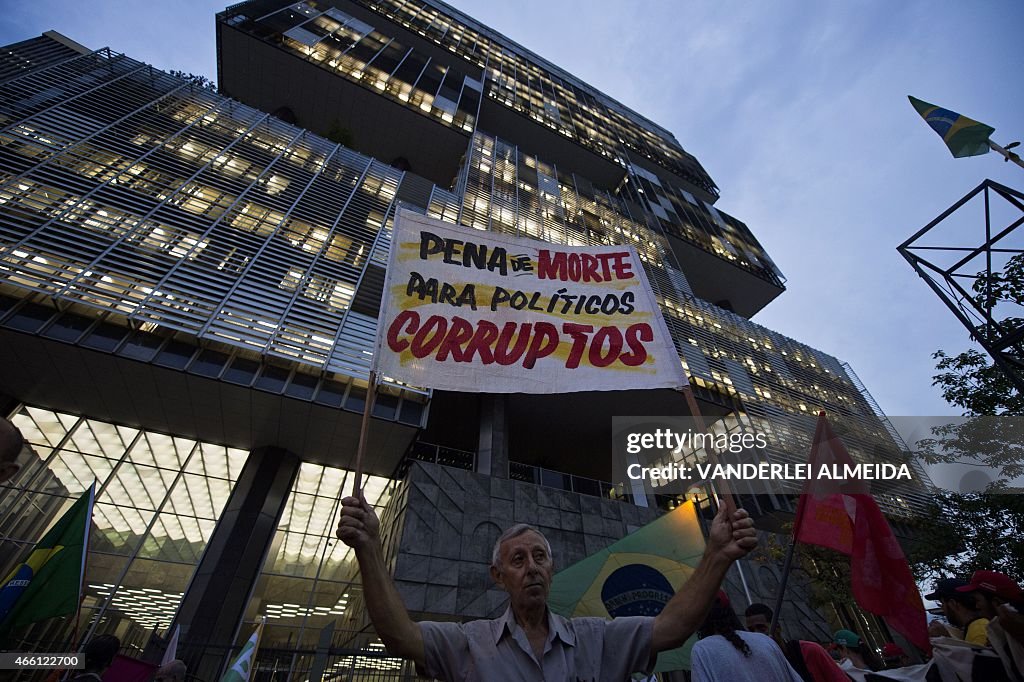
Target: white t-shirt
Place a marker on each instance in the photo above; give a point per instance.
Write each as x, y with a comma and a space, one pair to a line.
715, 659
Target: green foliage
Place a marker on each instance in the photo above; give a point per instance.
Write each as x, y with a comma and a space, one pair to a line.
971, 381
967, 532
198, 81
828, 569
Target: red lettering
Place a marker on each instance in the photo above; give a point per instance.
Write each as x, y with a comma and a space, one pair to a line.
460, 332
578, 332
502, 355
435, 327
575, 267
543, 344
614, 338
590, 268
406, 317
636, 334
486, 333
551, 266
623, 267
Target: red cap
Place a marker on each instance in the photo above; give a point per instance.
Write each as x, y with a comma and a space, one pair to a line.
722, 598
892, 650
993, 582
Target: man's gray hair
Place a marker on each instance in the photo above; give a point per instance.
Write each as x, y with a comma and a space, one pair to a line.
174, 670
514, 532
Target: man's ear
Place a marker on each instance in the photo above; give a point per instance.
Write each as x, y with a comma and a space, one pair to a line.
496, 577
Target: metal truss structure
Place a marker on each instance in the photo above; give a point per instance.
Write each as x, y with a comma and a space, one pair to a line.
974, 295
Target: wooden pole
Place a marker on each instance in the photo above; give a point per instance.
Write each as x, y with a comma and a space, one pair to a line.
371, 395
722, 487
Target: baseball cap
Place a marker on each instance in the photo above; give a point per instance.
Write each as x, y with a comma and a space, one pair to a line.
947, 587
846, 638
993, 582
722, 598
892, 650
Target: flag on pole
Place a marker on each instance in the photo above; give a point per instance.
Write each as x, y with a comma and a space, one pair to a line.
964, 136
635, 576
171, 652
241, 667
49, 582
486, 312
848, 520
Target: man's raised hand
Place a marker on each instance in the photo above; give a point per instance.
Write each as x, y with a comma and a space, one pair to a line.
358, 527
732, 533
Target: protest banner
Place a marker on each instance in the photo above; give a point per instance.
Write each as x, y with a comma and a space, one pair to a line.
479, 311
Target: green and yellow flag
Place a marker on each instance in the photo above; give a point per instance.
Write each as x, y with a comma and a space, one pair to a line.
241, 667
964, 136
49, 582
635, 576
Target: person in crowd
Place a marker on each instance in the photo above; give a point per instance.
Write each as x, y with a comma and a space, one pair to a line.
11, 443
893, 656
99, 654
812, 662
758, 618
960, 609
1000, 599
852, 652
809, 659
528, 641
938, 628
992, 589
173, 671
726, 652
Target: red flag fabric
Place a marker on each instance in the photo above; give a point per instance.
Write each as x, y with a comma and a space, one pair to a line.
825, 510
128, 669
882, 581
846, 518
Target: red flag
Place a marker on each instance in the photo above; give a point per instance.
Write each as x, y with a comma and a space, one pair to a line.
128, 669
826, 508
846, 518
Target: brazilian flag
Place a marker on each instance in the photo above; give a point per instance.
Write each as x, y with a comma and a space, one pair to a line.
49, 582
635, 576
964, 136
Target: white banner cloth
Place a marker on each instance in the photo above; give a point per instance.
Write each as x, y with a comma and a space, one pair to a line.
477, 311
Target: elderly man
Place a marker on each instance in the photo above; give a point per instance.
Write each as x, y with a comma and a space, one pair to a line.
528, 642
172, 671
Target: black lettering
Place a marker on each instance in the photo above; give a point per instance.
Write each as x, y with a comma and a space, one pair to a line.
430, 244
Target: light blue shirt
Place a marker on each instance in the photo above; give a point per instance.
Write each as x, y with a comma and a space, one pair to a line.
577, 650
715, 659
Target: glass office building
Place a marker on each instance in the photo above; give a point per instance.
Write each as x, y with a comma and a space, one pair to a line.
189, 291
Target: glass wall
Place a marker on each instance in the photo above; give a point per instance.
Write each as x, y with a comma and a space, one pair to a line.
307, 581
157, 501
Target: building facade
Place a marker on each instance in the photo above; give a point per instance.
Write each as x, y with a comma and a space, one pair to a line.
190, 283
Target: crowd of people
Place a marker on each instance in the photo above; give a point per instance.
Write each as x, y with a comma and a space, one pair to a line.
99, 655
983, 614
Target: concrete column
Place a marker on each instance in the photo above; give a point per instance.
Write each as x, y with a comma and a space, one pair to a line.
216, 598
492, 453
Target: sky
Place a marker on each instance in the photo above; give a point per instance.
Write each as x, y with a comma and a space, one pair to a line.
798, 110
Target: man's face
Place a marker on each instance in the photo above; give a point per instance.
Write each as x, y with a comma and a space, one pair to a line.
758, 623
525, 569
955, 612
